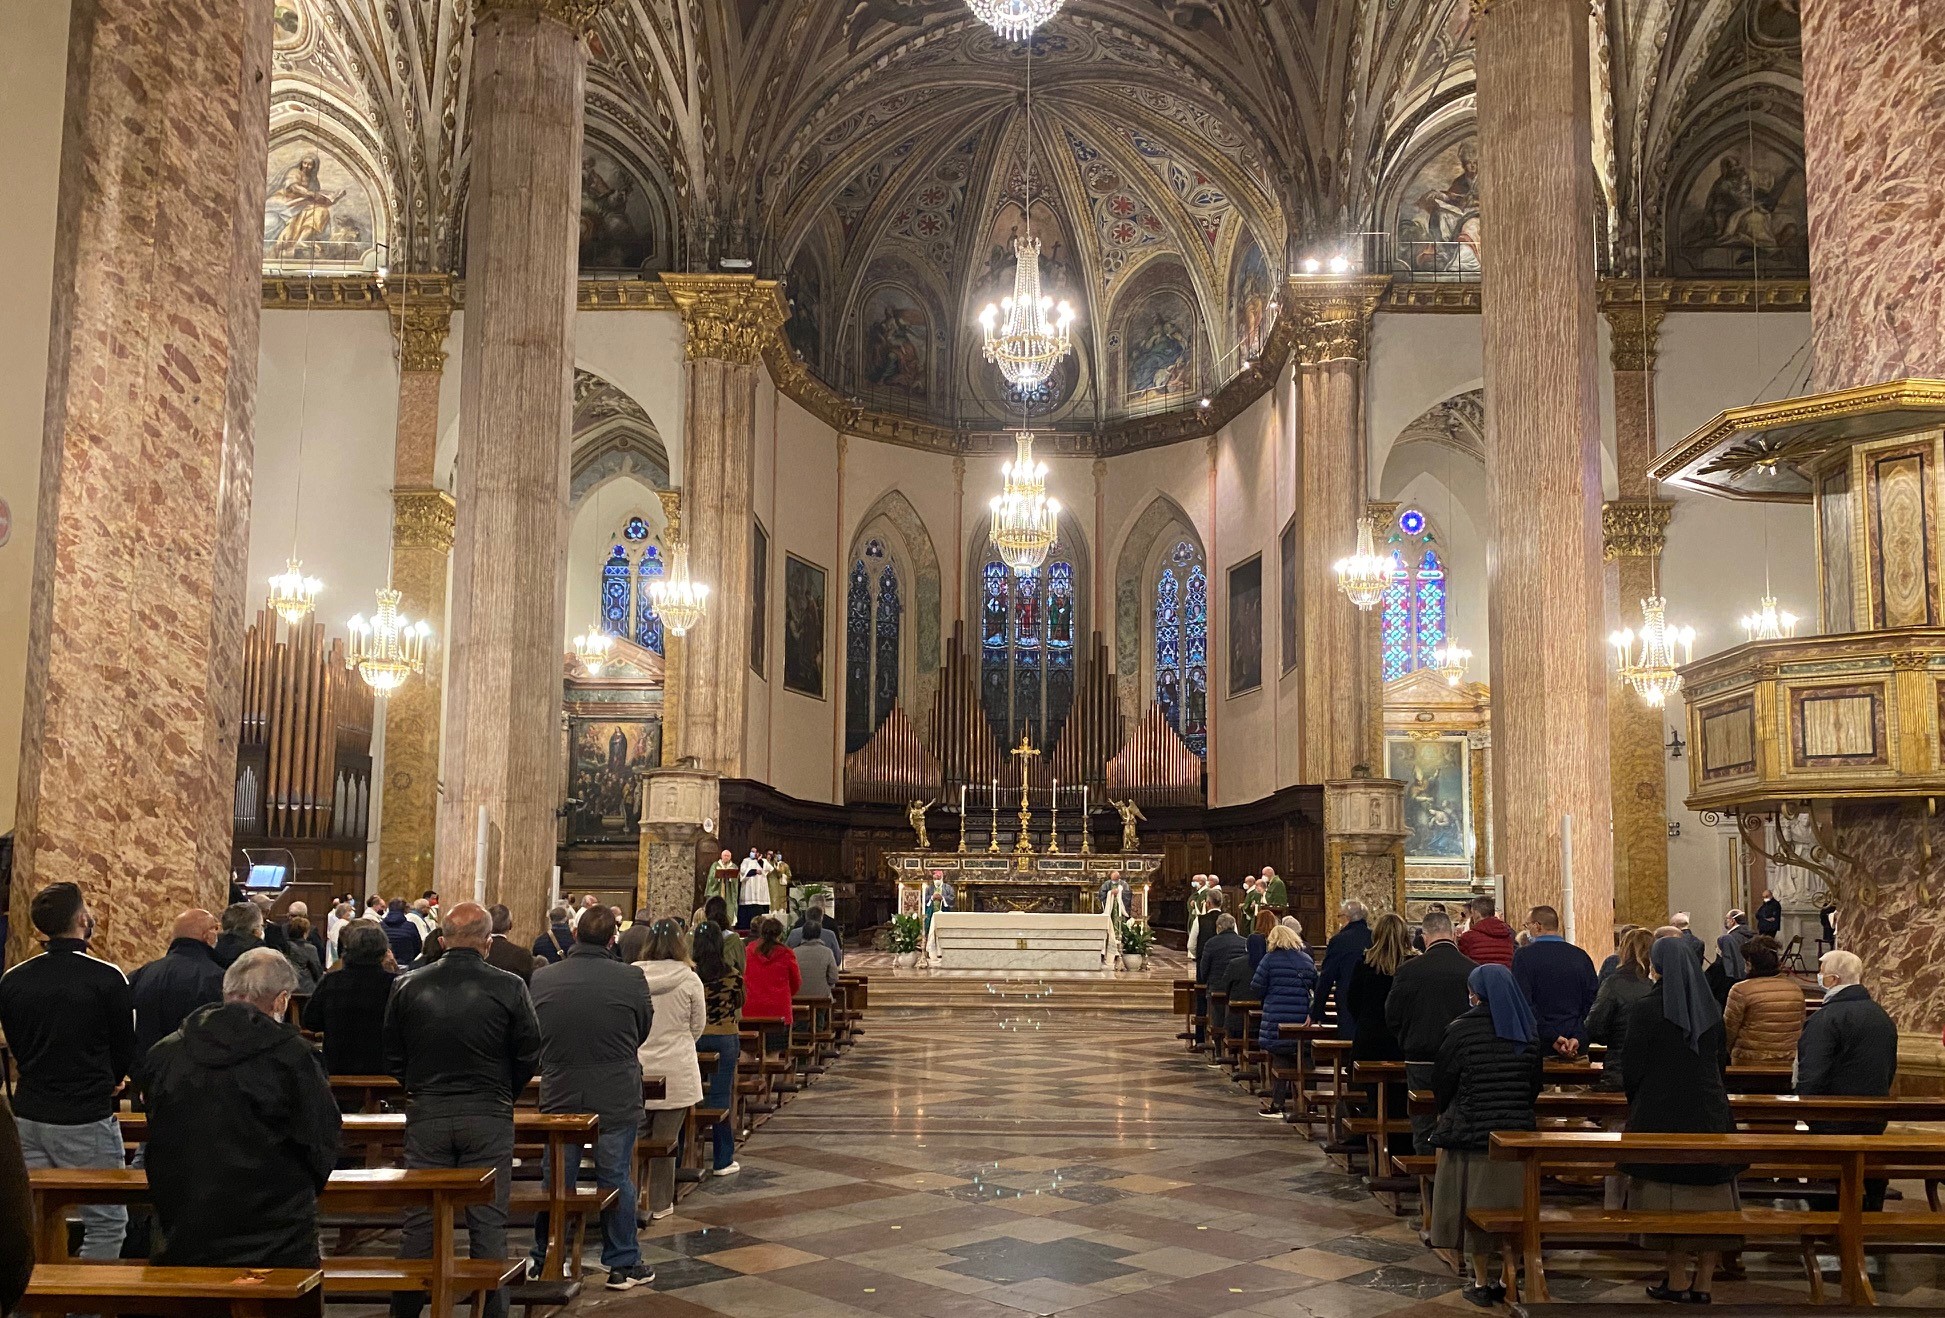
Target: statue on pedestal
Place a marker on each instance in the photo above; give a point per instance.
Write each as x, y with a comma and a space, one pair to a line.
1130, 813
915, 816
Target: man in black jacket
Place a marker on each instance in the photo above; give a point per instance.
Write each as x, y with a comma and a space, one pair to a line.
243, 1131
1211, 956
1769, 916
1428, 993
553, 945
184, 978
461, 1037
70, 1023
1346, 948
1849, 1047
503, 951
242, 931
348, 1006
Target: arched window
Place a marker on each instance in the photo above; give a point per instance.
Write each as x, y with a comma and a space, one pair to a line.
626, 609
1182, 644
1411, 620
874, 622
1026, 633
648, 627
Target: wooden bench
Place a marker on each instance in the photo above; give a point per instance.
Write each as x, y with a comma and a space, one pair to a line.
1848, 1159
137, 1288
1182, 1003
370, 1093
1307, 1105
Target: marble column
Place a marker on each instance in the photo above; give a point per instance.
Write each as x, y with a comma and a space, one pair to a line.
726, 321
508, 624
422, 531
135, 644
1543, 473
1875, 174
1633, 532
1343, 696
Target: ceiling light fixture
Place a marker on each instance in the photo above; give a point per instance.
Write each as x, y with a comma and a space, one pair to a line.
1025, 520
1652, 671
679, 601
1013, 19
1365, 574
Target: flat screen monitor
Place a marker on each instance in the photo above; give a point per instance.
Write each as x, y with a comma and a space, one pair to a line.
267, 877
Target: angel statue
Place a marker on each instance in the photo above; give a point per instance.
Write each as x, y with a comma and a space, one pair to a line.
915, 816
1130, 813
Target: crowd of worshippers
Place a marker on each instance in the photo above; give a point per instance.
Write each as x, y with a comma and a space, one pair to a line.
242, 1126
1475, 1010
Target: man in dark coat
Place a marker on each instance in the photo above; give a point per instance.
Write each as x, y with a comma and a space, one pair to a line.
184, 978
1559, 981
242, 931
348, 1006
1849, 1047
552, 945
1210, 957
401, 933
1769, 915
502, 951
1346, 948
243, 1131
1428, 993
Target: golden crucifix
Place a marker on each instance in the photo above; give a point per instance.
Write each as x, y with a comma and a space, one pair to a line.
1023, 752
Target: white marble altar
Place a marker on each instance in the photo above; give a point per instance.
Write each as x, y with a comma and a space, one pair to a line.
1007, 940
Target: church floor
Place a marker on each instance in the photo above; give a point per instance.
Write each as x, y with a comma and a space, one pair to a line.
954, 1169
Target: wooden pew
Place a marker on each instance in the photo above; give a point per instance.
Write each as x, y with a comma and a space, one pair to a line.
1308, 1105
370, 1093
1182, 1003
1774, 1110
137, 1288
360, 1191
1849, 1159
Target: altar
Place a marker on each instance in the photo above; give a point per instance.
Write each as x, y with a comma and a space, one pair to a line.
997, 941
1030, 883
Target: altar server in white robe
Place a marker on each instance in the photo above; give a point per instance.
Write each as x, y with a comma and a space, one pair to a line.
753, 898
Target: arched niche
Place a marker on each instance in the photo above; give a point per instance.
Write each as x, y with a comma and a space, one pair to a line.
1161, 526
894, 525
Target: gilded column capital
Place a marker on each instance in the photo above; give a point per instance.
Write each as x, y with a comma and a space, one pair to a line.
1330, 318
422, 518
727, 318
672, 512
1634, 331
576, 14
421, 330
1634, 528
1382, 512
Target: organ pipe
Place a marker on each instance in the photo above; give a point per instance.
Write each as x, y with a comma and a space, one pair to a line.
300, 713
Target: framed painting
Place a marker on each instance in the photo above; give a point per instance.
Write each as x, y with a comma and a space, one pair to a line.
1246, 625
759, 596
1286, 617
803, 626
1435, 772
606, 759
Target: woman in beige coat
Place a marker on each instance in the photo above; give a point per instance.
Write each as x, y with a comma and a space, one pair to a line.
681, 1014
1764, 1014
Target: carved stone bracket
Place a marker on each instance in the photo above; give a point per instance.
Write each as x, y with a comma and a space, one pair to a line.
1635, 331
727, 317
1634, 528
672, 512
422, 519
421, 329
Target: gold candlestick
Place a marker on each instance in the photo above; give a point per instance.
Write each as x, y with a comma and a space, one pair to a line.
993, 830
1087, 825
1053, 829
962, 819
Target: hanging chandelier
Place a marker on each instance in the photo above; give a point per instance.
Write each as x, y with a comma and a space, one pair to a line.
1652, 670
1366, 574
293, 594
388, 649
1026, 334
1013, 19
591, 648
1025, 520
1450, 661
1768, 624
678, 600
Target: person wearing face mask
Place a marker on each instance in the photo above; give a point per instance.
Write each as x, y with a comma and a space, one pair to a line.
70, 1021
1849, 1046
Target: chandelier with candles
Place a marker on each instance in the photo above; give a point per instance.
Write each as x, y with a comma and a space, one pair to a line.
1025, 520
1026, 334
678, 599
292, 594
1366, 574
1652, 670
1013, 19
388, 649
591, 648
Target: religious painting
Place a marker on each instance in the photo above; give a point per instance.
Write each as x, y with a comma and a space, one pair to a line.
759, 596
1287, 593
803, 626
804, 293
1059, 277
1744, 212
1251, 290
1778, 22
895, 343
1246, 625
617, 220
1158, 355
1437, 803
1437, 224
318, 214
606, 761
290, 24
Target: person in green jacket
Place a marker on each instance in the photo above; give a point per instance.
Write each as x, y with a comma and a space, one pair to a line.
1277, 894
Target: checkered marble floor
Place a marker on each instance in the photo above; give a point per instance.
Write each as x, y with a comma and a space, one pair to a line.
951, 1169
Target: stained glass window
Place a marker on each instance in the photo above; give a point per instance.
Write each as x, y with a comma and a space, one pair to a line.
1028, 625
857, 659
635, 532
1182, 644
890, 621
1412, 615
648, 626
874, 623
627, 610
615, 593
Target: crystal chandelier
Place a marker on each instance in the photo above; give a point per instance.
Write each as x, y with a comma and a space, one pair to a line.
591, 648
1025, 520
678, 601
1450, 661
1014, 19
1366, 574
1028, 343
1651, 670
1768, 624
292, 593
388, 649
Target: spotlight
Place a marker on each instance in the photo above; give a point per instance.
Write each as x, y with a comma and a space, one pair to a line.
1338, 265
1311, 265
1203, 403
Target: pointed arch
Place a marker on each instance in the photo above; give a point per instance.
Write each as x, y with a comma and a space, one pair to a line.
912, 562
1161, 525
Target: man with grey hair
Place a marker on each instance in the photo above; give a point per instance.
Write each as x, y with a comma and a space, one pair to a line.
1680, 920
242, 931
462, 1039
1346, 948
1427, 993
243, 1131
1849, 1046
1211, 957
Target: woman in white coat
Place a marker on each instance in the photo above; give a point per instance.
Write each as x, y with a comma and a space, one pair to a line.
681, 1013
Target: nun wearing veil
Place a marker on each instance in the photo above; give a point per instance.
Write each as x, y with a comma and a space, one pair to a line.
1486, 1078
1672, 1067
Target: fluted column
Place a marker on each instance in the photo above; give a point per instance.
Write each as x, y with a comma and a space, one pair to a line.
529, 70
1343, 694
135, 637
726, 321
422, 530
1544, 576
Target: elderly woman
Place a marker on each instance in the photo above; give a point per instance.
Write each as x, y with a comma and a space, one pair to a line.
1673, 1073
681, 1014
1486, 1078
1763, 1018
1284, 981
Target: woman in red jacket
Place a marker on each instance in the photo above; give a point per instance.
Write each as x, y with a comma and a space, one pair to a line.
770, 982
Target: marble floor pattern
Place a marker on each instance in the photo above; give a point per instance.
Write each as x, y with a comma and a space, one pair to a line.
1093, 1170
